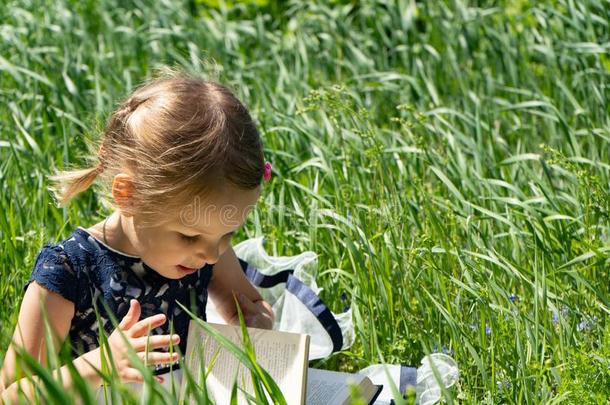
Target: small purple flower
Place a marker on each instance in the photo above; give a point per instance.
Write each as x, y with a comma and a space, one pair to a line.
487, 329
437, 349
503, 385
513, 298
586, 325
583, 325
563, 313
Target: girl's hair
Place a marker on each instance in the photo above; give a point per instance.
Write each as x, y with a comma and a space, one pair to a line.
179, 137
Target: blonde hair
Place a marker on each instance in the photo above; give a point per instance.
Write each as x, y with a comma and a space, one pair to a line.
178, 136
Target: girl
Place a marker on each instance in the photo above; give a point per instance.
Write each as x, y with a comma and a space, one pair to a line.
183, 162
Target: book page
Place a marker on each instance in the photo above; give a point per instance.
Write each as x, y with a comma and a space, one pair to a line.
283, 355
326, 387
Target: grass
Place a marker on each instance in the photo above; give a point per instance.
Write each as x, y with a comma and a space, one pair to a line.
448, 161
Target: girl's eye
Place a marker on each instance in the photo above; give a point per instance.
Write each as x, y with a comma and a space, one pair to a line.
188, 239
193, 239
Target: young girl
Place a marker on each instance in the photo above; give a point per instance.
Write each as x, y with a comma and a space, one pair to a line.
183, 162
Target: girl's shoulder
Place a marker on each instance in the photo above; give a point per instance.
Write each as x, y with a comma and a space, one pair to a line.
68, 266
81, 249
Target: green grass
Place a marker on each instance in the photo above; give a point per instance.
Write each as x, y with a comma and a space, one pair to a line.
448, 160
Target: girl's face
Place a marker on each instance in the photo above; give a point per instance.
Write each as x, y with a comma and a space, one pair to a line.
198, 235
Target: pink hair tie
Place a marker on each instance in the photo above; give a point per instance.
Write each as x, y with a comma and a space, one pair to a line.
267, 171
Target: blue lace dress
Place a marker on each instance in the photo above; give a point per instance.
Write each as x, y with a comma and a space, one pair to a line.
101, 281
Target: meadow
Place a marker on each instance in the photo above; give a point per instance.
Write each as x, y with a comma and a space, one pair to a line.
448, 161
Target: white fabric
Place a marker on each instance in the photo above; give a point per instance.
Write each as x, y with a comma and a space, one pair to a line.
428, 388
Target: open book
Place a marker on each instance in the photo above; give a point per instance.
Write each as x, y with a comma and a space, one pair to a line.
283, 355
331, 387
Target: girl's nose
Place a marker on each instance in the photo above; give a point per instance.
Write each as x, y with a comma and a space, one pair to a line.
209, 254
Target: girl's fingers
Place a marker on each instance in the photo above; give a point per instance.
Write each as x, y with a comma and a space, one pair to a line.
131, 375
132, 315
259, 321
267, 307
246, 304
154, 342
145, 325
158, 357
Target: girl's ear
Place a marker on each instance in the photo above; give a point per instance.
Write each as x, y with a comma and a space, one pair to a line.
122, 192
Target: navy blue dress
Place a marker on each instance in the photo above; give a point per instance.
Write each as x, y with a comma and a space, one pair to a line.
101, 281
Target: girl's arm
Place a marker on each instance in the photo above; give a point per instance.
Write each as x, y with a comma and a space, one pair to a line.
29, 335
229, 278
131, 333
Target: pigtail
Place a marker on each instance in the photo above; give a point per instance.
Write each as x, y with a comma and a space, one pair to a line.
70, 183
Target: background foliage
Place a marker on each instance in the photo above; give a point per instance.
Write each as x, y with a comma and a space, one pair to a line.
448, 160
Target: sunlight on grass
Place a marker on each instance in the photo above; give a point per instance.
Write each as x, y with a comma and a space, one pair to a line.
449, 163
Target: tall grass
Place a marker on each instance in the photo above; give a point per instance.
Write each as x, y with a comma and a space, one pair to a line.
448, 161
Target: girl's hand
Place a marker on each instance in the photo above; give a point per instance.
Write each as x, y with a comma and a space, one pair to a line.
136, 335
257, 314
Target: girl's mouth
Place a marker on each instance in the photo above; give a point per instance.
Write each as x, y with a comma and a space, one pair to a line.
185, 269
